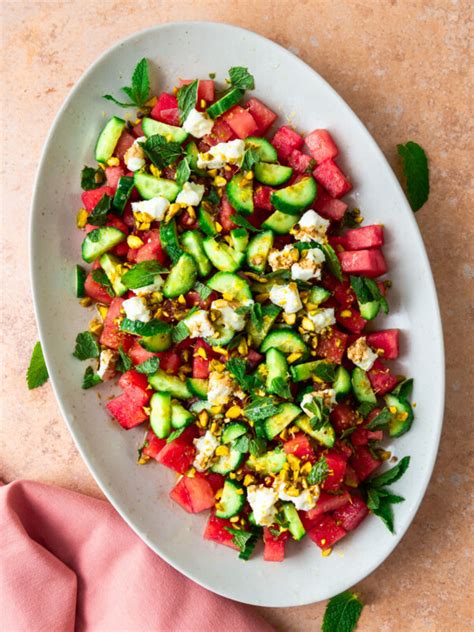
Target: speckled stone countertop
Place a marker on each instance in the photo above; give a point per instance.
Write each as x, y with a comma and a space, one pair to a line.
403, 66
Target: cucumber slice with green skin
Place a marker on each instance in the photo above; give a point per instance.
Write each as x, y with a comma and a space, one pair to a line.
277, 367
111, 266
296, 197
318, 295
123, 192
108, 139
258, 250
276, 423
272, 175
230, 98
362, 387
149, 187
223, 336
269, 463
222, 256
160, 414
158, 342
80, 279
369, 310
206, 222
232, 499
318, 368
162, 381
401, 420
324, 435
228, 463
295, 525
198, 386
192, 153
180, 417
233, 431
239, 238
258, 334
181, 278
286, 341
151, 127
99, 241
342, 383
169, 240
240, 194
199, 406
280, 223
191, 242
262, 147
232, 285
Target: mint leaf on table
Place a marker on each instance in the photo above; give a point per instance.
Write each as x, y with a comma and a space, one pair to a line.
342, 613
241, 78
139, 91
37, 373
161, 152
149, 366
90, 378
416, 172
100, 277
92, 178
142, 274
319, 472
379, 498
187, 97
203, 291
183, 172
86, 346
98, 217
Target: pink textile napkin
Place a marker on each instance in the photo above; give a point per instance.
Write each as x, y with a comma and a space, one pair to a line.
69, 562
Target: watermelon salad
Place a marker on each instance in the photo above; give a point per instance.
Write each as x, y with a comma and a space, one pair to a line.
237, 302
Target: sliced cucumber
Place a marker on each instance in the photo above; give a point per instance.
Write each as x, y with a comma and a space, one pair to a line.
402, 419
276, 423
191, 242
232, 499
233, 431
294, 522
273, 175
258, 250
181, 278
162, 381
80, 279
262, 147
169, 240
269, 463
111, 266
296, 197
318, 295
198, 386
230, 98
286, 341
99, 241
362, 387
239, 238
228, 463
232, 285
123, 192
223, 256
160, 414
192, 153
240, 193
342, 383
206, 222
324, 435
223, 336
180, 417
277, 367
280, 223
108, 139
151, 127
149, 187
257, 334
158, 342
318, 368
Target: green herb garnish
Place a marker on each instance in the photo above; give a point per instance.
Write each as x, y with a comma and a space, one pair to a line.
90, 378
100, 277
37, 373
139, 91
142, 274
183, 172
187, 97
149, 366
417, 175
244, 540
342, 613
379, 498
98, 217
319, 472
160, 151
92, 178
241, 78
86, 346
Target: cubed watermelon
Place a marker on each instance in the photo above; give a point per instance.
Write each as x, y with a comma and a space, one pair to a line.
91, 198
351, 320
178, 454
216, 531
166, 109
332, 179
113, 175
369, 263
135, 385
220, 133
326, 503
225, 214
111, 335
138, 354
125, 141
96, 291
332, 345
300, 162
301, 447
262, 197
193, 494
364, 237
351, 515
343, 417
336, 471
381, 379
274, 550
152, 445
387, 341
326, 532
169, 361
200, 364
254, 358
351, 479
321, 145
216, 481
126, 411
151, 249
362, 436
363, 462
262, 115
285, 141
329, 207
240, 121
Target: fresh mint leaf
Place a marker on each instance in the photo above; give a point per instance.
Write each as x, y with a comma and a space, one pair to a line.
109, 97
37, 373
180, 332
384, 511
404, 389
245, 540
250, 160
160, 151
240, 220
379, 498
187, 97
241, 78
149, 366
257, 446
367, 291
212, 198
332, 260
416, 172
142, 274
183, 172
325, 371
256, 315
342, 613
139, 328
261, 408
390, 476
90, 378
238, 368
347, 432
124, 364
365, 408
381, 420
91, 178
98, 217
86, 346
203, 291
175, 434
319, 472
100, 277
139, 91
280, 387
242, 444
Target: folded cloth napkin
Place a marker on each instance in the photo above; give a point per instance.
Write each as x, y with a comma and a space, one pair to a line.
69, 562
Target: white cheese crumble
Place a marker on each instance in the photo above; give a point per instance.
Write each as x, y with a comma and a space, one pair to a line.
262, 500
106, 368
198, 124
311, 227
361, 354
287, 297
221, 387
199, 325
148, 289
155, 208
305, 500
328, 395
228, 314
309, 266
322, 318
222, 153
283, 259
135, 309
134, 157
205, 448
191, 194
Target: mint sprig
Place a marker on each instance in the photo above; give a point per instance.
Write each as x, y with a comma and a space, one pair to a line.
241, 78
37, 373
342, 613
187, 97
98, 217
319, 472
380, 499
86, 346
139, 91
161, 152
142, 274
92, 178
416, 172
90, 378
149, 366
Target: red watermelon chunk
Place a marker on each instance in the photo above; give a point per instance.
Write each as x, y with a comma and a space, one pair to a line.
326, 503
351, 320
215, 531
332, 345
151, 249
364, 237
326, 532
363, 463
369, 263
285, 141
254, 358
91, 198
178, 455
301, 447
261, 114
135, 385
240, 121
152, 445
125, 141
351, 515
332, 179
343, 417
206, 89
166, 109
111, 335
329, 207
387, 341
262, 197
321, 145
126, 411
193, 494
200, 364
113, 175
274, 550
362, 436
138, 354
96, 291
220, 133
337, 469
225, 214
216, 481
300, 162
169, 361
381, 379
